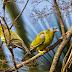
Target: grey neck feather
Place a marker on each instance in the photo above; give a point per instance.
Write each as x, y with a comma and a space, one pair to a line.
51, 30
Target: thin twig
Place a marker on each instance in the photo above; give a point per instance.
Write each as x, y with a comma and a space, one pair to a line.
1, 44
19, 14
4, 3
59, 51
68, 62
60, 18
8, 30
38, 55
11, 50
65, 58
3, 32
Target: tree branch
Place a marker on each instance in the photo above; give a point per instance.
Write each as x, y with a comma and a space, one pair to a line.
1, 44
60, 18
4, 3
68, 62
19, 14
8, 31
65, 58
11, 50
59, 51
38, 55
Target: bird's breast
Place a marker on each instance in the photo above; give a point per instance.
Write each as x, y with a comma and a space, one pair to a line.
49, 38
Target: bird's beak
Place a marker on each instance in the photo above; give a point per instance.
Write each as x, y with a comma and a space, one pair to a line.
57, 30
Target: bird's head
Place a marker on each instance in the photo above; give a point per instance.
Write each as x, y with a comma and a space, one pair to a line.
53, 29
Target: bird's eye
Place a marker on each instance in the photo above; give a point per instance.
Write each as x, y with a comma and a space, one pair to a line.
53, 28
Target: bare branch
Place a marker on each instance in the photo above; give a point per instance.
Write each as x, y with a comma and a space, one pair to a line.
68, 62
8, 30
59, 51
38, 55
1, 44
19, 14
65, 58
11, 50
4, 3
60, 18
3, 32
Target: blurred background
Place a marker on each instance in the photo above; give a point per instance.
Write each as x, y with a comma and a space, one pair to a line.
39, 15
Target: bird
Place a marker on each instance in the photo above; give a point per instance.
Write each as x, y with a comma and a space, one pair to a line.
15, 40
42, 40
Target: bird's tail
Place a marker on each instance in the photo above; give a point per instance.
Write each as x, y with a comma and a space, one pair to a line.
25, 57
28, 51
28, 55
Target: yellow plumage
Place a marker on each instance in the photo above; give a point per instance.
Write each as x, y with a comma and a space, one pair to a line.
42, 43
15, 40
42, 40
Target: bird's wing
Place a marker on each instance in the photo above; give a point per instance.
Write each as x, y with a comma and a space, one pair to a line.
16, 40
38, 40
20, 44
26, 56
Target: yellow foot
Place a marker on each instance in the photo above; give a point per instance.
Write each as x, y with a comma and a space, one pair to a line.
41, 52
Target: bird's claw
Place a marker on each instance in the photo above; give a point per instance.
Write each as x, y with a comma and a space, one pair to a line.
41, 52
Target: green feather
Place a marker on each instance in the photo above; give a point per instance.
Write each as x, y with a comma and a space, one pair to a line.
41, 43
